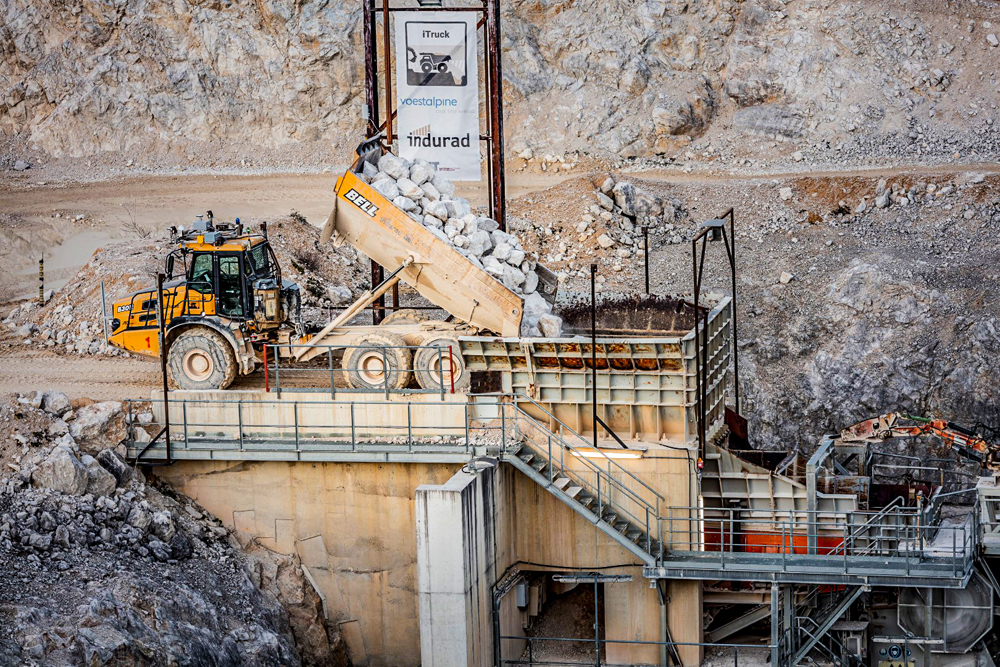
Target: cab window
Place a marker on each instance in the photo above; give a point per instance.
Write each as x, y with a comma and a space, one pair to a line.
201, 274
260, 261
230, 297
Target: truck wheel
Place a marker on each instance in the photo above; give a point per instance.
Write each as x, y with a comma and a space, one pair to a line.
406, 316
365, 363
433, 368
442, 68
201, 359
426, 68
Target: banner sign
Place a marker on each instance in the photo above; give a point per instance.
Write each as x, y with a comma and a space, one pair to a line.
437, 83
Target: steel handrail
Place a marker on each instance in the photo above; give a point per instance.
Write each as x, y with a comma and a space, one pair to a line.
617, 507
580, 437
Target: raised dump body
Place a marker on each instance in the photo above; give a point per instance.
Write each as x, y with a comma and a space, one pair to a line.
646, 361
438, 272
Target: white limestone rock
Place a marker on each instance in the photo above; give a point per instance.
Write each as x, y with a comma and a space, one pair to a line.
396, 167
386, 187
409, 189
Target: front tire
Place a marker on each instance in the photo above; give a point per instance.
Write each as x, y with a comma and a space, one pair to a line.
201, 358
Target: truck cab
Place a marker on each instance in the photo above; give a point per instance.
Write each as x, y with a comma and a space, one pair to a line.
222, 298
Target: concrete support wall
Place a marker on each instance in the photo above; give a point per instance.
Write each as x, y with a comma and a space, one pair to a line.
353, 526
365, 531
455, 570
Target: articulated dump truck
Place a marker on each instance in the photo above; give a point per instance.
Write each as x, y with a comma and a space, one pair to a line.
229, 307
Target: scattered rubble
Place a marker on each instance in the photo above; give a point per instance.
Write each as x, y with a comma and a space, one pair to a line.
108, 567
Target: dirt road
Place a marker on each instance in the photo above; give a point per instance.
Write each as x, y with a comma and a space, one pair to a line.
156, 202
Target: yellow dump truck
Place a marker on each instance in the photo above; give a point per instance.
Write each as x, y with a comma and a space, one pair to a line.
229, 301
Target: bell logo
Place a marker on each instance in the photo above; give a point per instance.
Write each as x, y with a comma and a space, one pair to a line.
358, 200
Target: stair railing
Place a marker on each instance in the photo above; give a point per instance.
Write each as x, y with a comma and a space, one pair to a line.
608, 478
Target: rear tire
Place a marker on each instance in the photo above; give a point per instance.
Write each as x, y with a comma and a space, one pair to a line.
201, 358
433, 368
365, 362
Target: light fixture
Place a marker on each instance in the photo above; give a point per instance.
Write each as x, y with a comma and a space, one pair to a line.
591, 453
715, 228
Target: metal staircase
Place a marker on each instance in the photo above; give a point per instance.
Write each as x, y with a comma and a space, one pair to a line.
590, 482
810, 629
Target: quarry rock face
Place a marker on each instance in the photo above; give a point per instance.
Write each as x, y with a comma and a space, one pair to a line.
174, 78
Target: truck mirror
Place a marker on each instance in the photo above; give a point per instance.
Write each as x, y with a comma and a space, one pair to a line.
170, 267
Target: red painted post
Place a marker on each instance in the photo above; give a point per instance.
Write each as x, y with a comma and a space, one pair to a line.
451, 364
267, 387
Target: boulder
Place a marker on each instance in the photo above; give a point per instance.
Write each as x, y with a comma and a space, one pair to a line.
443, 185
98, 422
421, 173
605, 201
430, 191
530, 282
438, 209
100, 482
61, 471
550, 326
404, 204
111, 461
624, 194
55, 403
502, 251
512, 278
387, 188
409, 189
487, 225
479, 243
393, 166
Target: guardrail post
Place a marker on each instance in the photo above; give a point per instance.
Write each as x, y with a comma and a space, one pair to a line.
295, 412
385, 373
267, 384
130, 431
550, 458
441, 370
844, 542
354, 445
184, 413
333, 381
239, 414
468, 443
503, 425
277, 373
409, 427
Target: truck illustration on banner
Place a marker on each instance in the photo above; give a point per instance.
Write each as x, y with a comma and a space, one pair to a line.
436, 53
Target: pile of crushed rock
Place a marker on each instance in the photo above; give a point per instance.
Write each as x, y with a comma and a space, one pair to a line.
107, 568
429, 198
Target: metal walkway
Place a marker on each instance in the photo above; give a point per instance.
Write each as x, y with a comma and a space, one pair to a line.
897, 546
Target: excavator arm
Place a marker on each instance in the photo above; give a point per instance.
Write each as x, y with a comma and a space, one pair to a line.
898, 425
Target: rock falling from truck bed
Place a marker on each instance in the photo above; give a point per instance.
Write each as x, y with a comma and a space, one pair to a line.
429, 198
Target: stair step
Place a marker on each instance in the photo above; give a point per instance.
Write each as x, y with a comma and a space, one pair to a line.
610, 518
561, 482
527, 456
621, 526
574, 491
539, 465
586, 499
